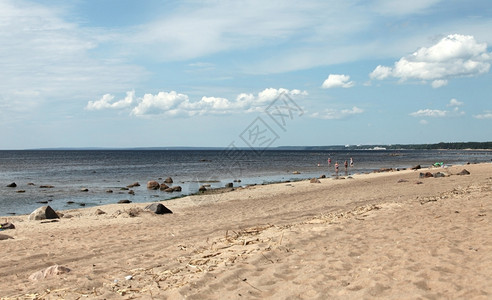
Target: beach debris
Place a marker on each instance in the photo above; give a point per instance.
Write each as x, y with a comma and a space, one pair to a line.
49, 272
314, 180
463, 172
42, 213
153, 185
168, 180
164, 187
12, 185
229, 185
202, 189
84, 190
417, 167
7, 225
158, 208
125, 201
426, 175
135, 184
296, 172
129, 277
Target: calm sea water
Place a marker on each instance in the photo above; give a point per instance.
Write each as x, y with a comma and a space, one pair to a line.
101, 170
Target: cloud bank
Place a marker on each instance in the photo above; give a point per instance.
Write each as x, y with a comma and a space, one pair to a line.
176, 104
453, 56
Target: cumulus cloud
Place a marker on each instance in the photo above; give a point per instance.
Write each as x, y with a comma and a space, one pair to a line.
430, 113
453, 102
176, 104
453, 56
486, 115
334, 114
107, 102
337, 80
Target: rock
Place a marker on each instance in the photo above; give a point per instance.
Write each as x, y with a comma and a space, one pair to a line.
168, 180
296, 172
229, 185
177, 188
464, 172
12, 185
164, 187
417, 167
81, 204
440, 174
99, 212
46, 186
109, 191
153, 185
124, 189
131, 192
7, 225
21, 191
383, 170
169, 190
5, 237
158, 208
237, 180
30, 183
322, 176
426, 175
49, 272
135, 184
202, 189
315, 180
124, 201
42, 213
84, 190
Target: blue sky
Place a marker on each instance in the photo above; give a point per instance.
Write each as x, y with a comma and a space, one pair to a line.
120, 73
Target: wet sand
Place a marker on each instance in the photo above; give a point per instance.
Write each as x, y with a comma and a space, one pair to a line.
386, 235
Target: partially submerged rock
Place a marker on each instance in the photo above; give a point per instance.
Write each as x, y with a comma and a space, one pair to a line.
42, 213
153, 185
12, 185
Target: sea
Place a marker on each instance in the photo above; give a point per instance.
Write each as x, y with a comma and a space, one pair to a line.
82, 178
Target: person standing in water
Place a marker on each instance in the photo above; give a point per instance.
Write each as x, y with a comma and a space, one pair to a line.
346, 165
336, 167
351, 162
329, 161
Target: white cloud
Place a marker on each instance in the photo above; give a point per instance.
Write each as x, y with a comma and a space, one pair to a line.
334, 114
453, 56
337, 80
107, 102
430, 113
176, 104
439, 83
486, 115
423, 122
454, 102
436, 113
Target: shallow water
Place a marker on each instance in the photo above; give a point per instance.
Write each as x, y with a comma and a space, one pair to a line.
100, 170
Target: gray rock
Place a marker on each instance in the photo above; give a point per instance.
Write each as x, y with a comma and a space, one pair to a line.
158, 208
135, 184
124, 201
12, 185
168, 180
42, 213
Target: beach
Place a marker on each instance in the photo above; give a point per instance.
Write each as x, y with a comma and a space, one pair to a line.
390, 235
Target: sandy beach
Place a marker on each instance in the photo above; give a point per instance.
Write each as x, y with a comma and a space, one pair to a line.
386, 235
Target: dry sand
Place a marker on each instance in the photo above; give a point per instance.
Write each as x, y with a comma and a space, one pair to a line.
365, 237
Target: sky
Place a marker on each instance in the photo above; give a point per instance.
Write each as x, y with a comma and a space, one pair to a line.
258, 74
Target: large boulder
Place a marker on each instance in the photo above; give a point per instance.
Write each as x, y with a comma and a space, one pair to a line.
42, 213
153, 185
158, 208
